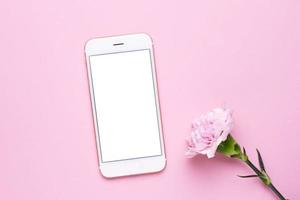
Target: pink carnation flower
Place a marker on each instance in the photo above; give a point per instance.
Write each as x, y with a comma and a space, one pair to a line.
209, 131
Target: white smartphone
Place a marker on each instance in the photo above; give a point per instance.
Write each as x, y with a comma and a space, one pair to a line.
125, 103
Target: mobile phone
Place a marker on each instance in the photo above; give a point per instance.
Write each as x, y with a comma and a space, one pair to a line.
125, 102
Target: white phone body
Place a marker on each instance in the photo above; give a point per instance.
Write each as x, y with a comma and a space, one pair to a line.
126, 111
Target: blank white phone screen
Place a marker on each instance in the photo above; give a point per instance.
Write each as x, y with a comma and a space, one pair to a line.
124, 97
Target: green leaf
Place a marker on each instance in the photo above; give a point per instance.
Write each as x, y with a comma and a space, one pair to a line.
249, 176
260, 161
244, 151
230, 148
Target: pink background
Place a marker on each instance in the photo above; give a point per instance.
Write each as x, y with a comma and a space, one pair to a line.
208, 53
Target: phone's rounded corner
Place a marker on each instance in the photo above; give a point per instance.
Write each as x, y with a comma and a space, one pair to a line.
163, 165
104, 173
88, 44
147, 37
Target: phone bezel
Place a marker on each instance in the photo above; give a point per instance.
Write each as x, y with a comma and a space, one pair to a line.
118, 44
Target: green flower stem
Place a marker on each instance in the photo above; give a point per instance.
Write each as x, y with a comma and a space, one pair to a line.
273, 188
264, 178
252, 166
232, 149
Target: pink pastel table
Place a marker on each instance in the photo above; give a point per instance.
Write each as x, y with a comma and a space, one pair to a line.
245, 55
